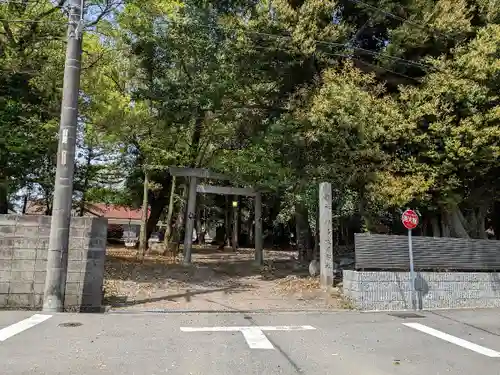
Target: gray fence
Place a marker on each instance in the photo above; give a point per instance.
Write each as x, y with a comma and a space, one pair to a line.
387, 252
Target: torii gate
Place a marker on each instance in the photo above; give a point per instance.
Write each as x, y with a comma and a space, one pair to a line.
196, 173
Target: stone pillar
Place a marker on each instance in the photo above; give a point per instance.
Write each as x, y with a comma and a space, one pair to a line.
191, 208
259, 255
325, 234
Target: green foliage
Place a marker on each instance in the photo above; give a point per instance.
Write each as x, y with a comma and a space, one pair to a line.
395, 103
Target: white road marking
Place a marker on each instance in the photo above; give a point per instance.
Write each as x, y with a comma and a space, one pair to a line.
256, 338
454, 340
21, 326
254, 335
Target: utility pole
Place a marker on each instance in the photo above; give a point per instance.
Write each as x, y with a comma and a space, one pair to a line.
57, 257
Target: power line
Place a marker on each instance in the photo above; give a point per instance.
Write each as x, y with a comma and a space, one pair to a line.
336, 44
406, 62
333, 44
22, 2
34, 4
373, 53
381, 67
18, 2
30, 21
324, 42
270, 49
377, 54
14, 71
347, 57
396, 17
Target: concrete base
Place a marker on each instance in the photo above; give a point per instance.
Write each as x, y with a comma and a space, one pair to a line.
383, 290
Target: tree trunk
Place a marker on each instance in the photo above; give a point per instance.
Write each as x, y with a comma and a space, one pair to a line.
458, 224
303, 232
495, 219
251, 229
195, 140
168, 220
197, 222
25, 203
481, 227
157, 204
479, 222
452, 223
143, 241
425, 227
445, 224
181, 215
315, 254
48, 205
4, 199
203, 226
436, 231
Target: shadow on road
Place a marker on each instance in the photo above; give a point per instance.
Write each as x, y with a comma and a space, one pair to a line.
123, 302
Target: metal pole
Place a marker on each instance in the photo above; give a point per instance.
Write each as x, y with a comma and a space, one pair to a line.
412, 272
57, 257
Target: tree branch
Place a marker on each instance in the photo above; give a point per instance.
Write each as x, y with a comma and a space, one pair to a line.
8, 32
93, 63
117, 84
110, 4
34, 25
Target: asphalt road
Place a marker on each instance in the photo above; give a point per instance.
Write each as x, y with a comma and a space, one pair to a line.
340, 343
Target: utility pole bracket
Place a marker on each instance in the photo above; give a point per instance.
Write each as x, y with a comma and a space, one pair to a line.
79, 30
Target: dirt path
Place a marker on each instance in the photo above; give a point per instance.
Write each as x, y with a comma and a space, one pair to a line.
217, 280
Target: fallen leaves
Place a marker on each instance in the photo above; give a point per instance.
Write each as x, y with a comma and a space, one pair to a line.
218, 279
293, 284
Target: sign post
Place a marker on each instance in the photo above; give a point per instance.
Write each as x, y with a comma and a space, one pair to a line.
410, 221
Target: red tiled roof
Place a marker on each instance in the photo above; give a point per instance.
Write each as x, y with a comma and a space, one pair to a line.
110, 211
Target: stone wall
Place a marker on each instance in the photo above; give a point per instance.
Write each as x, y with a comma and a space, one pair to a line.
385, 290
23, 260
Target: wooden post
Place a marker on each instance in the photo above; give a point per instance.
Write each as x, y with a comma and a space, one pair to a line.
191, 208
227, 223
259, 255
325, 234
235, 224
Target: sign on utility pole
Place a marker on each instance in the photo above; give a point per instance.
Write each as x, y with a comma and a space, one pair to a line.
410, 221
57, 257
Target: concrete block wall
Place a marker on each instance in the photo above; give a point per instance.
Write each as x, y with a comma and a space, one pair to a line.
387, 290
24, 243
